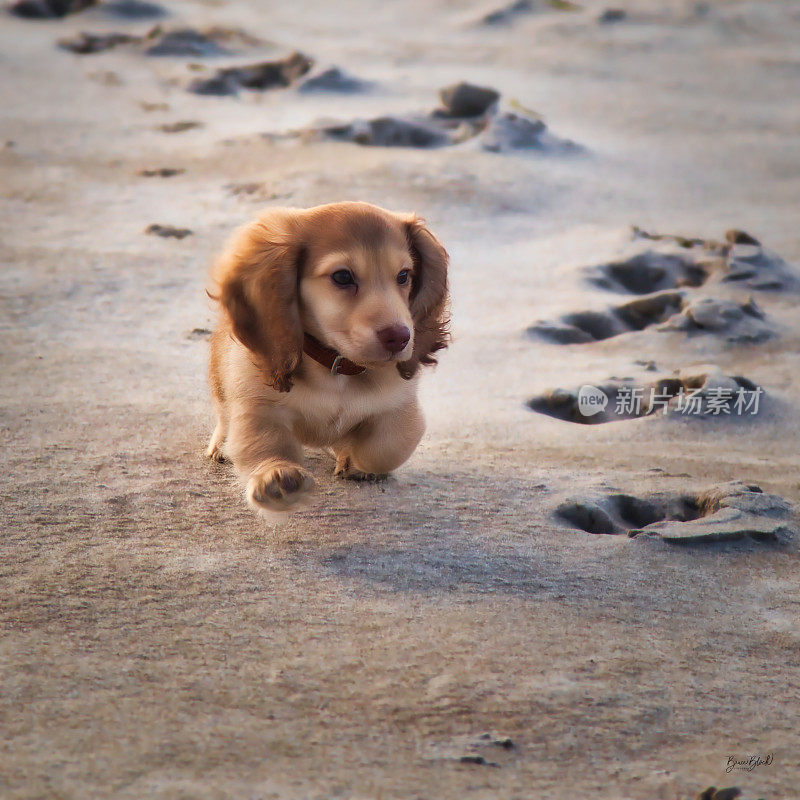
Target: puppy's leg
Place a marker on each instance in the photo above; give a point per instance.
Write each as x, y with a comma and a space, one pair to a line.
268, 456
214, 450
380, 444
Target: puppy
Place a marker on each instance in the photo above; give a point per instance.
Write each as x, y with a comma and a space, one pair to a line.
326, 315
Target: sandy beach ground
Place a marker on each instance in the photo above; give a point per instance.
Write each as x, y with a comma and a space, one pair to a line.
480, 625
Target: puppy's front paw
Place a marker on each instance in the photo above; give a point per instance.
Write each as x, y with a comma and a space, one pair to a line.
345, 469
214, 452
279, 487
214, 449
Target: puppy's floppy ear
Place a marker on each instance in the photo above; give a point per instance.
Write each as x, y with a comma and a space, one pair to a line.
257, 286
428, 296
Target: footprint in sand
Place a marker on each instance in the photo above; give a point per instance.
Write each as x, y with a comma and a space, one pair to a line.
277, 74
738, 323
161, 172
54, 9
215, 42
721, 512
739, 259
48, 9
179, 42
180, 126
653, 271
509, 13
668, 273
192, 43
336, 81
482, 750
168, 231
702, 392
132, 9
467, 112
610, 15
89, 43
582, 327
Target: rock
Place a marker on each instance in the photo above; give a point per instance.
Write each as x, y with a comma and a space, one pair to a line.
467, 99
87, 43
168, 231
49, 9
261, 76
334, 80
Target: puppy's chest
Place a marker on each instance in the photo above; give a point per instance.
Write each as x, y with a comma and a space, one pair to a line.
323, 414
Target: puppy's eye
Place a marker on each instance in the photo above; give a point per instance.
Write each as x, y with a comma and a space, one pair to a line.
343, 277
403, 277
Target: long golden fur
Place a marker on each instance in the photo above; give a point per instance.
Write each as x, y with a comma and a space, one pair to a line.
280, 279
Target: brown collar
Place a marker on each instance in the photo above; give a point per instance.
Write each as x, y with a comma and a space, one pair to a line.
329, 358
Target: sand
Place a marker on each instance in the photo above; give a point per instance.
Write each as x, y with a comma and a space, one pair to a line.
449, 633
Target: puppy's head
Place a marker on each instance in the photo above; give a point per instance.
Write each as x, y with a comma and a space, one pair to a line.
364, 281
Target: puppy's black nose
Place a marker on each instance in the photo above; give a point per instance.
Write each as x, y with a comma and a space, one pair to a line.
394, 338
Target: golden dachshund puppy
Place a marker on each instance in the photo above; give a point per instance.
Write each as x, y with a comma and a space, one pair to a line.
326, 315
